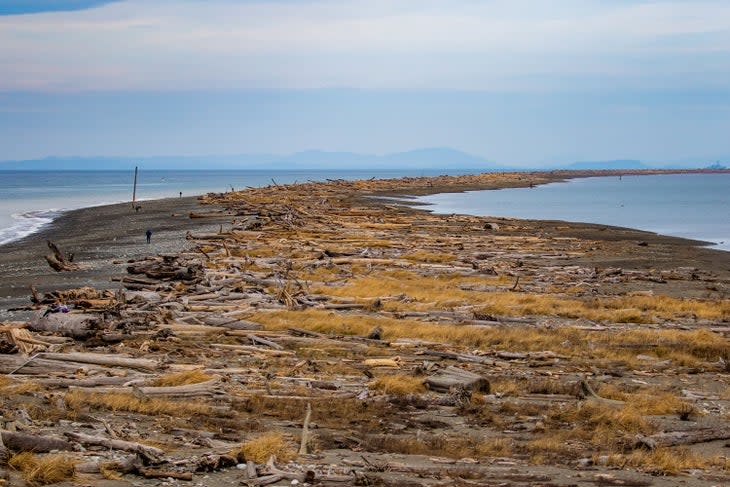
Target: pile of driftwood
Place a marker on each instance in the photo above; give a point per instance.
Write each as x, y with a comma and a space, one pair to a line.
199, 353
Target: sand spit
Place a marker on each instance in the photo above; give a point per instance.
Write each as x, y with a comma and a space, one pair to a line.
324, 337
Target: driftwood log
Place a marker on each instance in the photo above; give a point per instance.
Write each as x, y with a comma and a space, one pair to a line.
142, 364
455, 378
58, 260
76, 326
207, 388
150, 452
676, 438
20, 442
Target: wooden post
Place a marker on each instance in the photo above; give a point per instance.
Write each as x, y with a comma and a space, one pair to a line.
134, 190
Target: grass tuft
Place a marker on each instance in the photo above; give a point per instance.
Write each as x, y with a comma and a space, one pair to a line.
263, 447
43, 470
122, 401
399, 385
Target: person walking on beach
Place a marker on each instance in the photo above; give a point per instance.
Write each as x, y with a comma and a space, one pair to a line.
180, 194
149, 235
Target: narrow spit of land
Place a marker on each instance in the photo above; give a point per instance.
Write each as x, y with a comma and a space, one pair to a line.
327, 337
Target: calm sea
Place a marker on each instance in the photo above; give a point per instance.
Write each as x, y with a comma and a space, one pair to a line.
31, 199
693, 206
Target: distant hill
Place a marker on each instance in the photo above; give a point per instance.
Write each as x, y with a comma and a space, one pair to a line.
433, 158
614, 164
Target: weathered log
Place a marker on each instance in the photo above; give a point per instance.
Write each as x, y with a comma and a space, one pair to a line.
20, 442
149, 452
91, 382
461, 357
257, 340
58, 261
455, 378
231, 323
127, 464
36, 365
305, 333
145, 365
76, 326
153, 473
676, 438
305, 431
206, 388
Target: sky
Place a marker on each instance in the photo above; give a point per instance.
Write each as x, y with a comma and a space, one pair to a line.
518, 82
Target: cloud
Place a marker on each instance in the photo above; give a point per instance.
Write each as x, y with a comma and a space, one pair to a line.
376, 44
20, 7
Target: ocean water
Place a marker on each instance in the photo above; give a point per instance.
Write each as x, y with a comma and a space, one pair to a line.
695, 206
31, 199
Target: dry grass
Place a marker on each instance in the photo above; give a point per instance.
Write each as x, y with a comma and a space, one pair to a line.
439, 445
496, 447
436, 290
506, 387
260, 449
612, 344
8, 387
650, 401
399, 385
123, 401
661, 461
43, 470
181, 378
603, 426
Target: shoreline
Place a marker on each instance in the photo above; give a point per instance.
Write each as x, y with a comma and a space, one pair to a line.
553, 176
22, 262
494, 206
103, 238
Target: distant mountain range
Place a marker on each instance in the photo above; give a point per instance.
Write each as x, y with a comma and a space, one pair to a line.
439, 158
433, 158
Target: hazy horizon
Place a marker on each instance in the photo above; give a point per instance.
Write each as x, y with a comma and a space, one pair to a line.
520, 83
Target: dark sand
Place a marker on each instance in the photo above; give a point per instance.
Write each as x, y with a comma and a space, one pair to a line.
98, 237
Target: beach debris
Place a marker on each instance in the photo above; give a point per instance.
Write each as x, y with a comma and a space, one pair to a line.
58, 260
455, 378
328, 331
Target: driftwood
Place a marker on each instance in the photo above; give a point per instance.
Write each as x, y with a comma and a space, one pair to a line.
149, 452
90, 382
676, 438
21, 339
58, 260
153, 473
206, 388
16, 441
257, 340
305, 431
455, 378
127, 464
461, 357
145, 365
36, 365
76, 326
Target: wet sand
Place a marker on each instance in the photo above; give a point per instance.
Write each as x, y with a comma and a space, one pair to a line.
103, 239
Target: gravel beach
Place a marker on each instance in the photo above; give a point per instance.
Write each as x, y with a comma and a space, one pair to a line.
98, 237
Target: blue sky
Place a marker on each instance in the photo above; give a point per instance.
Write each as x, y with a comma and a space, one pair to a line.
516, 81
